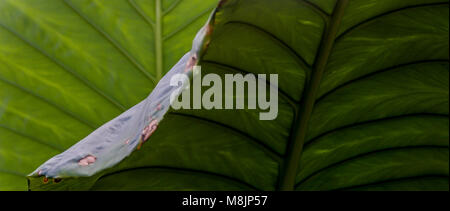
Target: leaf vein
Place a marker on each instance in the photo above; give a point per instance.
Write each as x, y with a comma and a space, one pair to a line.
287, 97
298, 58
272, 153
353, 28
113, 42
185, 25
393, 180
171, 7
43, 99
366, 154
180, 170
142, 14
369, 122
64, 67
376, 73
32, 138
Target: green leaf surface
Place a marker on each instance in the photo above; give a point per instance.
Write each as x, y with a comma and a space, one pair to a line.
363, 105
69, 66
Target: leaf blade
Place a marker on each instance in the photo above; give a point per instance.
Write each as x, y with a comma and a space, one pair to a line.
360, 146
61, 76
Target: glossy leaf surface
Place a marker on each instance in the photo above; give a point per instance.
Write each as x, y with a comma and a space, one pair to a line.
67, 67
363, 89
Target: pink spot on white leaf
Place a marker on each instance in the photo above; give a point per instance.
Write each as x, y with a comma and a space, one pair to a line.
87, 160
191, 63
159, 107
149, 130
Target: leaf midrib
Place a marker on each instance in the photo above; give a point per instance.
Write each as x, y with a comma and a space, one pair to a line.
289, 168
158, 39
157, 28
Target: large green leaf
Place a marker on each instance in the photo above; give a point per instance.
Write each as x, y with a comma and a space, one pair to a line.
363, 88
67, 67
